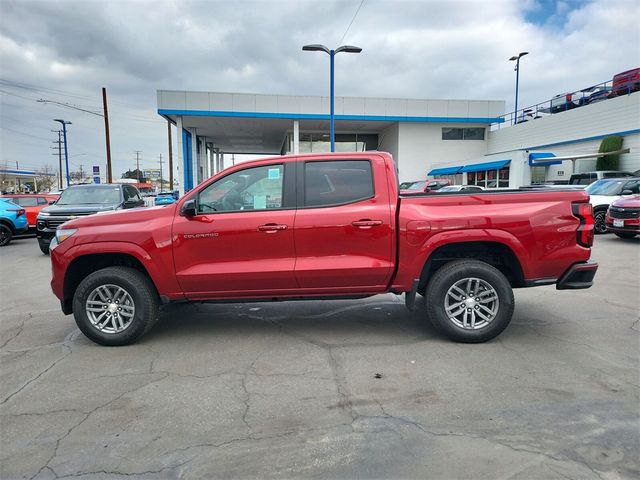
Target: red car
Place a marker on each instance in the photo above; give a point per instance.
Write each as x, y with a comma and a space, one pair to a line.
424, 186
322, 226
32, 203
626, 82
623, 217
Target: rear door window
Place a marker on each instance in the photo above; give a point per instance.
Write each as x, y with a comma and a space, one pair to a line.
26, 201
337, 182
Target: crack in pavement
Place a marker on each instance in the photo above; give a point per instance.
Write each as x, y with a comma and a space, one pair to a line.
84, 419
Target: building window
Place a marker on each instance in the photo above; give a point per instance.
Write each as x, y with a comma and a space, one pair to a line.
489, 178
463, 133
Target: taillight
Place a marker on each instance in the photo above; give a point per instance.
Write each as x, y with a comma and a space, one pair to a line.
19, 211
584, 213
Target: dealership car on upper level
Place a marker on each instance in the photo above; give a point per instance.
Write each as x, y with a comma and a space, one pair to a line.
322, 226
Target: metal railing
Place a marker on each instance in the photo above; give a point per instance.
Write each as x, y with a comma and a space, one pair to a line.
560, 103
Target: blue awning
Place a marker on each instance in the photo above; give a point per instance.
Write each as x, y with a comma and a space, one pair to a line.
480, 167
444, 171
534, 159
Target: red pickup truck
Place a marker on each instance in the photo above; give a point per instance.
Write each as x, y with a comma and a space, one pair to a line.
322, 226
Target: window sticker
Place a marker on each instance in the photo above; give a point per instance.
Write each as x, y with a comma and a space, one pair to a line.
274, 174
260, 202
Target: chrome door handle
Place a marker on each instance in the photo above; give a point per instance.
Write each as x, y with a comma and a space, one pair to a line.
272, 227
366, 223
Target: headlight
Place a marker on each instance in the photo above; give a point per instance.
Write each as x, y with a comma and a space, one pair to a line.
63, 233
44, 214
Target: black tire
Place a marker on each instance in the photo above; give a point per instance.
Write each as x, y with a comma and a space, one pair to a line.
142, 293
447, 277
44, 247
6, 234
599, 226
625, 235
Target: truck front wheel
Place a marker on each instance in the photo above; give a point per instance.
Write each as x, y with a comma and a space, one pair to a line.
115, 306
469, 301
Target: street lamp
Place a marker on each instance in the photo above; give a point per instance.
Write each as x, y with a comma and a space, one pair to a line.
516, 58
64, 124
331, 53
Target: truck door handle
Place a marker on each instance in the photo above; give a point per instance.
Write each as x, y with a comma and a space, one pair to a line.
272, 227
366, 223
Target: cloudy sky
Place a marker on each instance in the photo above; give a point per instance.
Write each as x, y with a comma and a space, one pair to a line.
66, 51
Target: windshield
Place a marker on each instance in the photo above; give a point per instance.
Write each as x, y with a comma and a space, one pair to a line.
89, 195
606, 187
416, 186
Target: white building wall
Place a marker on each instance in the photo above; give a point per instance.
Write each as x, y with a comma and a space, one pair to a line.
381, 107
569, 132
421, 148
388, 141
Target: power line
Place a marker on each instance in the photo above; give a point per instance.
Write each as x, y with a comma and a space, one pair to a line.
22, 133
351, 23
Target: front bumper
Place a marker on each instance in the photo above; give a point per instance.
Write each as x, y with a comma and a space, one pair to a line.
579, 275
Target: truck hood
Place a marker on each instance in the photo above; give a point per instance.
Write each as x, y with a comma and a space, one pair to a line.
79, 209
121, 217
596, 200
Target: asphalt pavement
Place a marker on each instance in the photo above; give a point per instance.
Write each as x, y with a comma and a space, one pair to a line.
332, 389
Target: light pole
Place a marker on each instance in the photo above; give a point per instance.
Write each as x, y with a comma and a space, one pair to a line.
516, 58
331, 53
64, 124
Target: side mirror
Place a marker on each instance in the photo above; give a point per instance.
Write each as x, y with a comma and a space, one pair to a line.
188, 209
627, 192
427, 190
52, 202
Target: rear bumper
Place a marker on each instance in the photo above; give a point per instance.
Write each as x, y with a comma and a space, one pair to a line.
579, 275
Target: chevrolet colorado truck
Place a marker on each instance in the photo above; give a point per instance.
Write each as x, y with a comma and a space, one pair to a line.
322, 226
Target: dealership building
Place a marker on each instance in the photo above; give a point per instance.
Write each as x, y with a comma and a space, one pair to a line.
466, 141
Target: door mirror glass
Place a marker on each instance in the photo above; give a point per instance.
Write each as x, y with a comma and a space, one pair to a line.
188, 209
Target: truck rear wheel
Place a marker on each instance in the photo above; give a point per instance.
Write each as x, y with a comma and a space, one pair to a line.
469, 301
115, 306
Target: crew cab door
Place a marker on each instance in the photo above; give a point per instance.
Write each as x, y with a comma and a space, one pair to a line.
343, 227
240, 242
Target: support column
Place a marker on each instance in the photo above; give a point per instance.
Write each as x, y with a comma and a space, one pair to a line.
194, 157
221, 160
202, 160
180, 148
296, 137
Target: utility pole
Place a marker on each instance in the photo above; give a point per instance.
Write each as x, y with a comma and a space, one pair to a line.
138, 152
170, 156
81, 174
59, 142
161, 162
106, 134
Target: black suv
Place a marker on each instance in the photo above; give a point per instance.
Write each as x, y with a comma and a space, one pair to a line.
80, 200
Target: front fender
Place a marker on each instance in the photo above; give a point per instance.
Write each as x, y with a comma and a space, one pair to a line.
158, 264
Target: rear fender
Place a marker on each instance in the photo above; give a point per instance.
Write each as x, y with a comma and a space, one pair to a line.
413, 260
